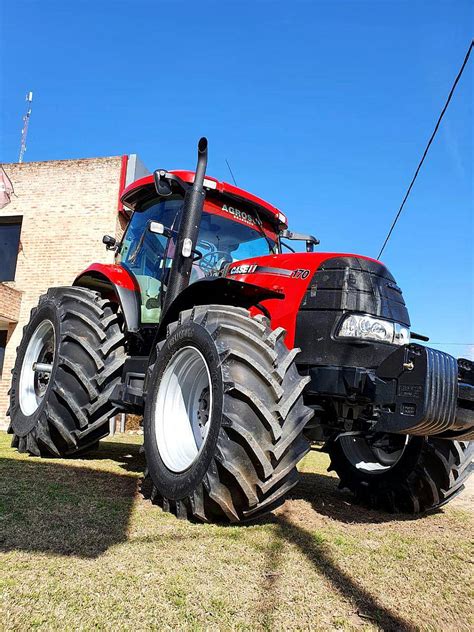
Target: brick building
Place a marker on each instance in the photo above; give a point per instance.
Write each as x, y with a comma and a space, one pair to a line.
51, 230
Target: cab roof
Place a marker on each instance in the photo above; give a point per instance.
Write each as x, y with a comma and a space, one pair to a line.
143, 189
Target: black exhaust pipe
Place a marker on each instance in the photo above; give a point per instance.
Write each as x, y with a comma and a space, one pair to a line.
188, 230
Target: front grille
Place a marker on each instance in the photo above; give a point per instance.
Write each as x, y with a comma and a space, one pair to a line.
356, 285
342, 285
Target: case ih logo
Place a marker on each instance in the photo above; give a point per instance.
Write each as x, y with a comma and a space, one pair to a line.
249, 268
242, 215
244, 268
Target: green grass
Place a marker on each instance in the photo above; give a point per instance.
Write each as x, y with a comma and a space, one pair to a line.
81, 550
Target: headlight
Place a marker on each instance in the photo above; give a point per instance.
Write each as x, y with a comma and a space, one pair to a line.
363, 327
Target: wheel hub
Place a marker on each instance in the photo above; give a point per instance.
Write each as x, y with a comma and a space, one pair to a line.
203, 410
183, 409
42, 370
375, 453
37, 367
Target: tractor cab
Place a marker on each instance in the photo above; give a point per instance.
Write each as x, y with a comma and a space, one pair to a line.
234, 225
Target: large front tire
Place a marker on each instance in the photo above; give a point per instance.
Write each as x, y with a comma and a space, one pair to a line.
399, 473
68, 362
224, 417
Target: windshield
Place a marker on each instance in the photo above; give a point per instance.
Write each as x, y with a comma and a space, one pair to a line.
226, 235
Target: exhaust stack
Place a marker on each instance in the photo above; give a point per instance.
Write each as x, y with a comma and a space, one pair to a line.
188, 229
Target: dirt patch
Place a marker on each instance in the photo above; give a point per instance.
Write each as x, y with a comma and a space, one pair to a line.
465, 500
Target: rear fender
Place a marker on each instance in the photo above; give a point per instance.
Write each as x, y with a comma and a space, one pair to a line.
114, 281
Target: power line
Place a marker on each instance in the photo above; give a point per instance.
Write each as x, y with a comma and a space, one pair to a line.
427, 148
461, 344
227, 162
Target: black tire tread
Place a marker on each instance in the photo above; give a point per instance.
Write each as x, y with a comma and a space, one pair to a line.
257, 451
439, 473
76, 418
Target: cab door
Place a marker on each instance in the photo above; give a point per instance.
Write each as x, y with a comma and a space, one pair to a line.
147, 255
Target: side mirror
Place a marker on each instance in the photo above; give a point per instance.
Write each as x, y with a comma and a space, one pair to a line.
167, 182
162, 184
309, 239
110, 242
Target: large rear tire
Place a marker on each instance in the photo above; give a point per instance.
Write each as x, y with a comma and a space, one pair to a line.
224, 417
68, 362
402, 474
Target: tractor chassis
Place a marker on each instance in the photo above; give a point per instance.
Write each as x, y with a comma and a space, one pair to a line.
401, 396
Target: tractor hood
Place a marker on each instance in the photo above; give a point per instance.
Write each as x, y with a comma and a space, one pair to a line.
320, 290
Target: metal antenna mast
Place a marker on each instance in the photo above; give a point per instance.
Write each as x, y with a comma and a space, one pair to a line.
26, 121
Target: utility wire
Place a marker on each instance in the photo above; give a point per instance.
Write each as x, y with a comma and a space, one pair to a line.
227, 163
461, 344
427, 148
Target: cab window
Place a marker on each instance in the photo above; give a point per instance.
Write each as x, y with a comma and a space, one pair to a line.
143, 252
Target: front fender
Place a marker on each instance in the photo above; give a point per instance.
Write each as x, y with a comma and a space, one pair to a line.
220, 291
112, 279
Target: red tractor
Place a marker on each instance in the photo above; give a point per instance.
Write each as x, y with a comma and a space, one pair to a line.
240, 355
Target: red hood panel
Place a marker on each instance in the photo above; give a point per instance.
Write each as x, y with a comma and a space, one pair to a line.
289, 274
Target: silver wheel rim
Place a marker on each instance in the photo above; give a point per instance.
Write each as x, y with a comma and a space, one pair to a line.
374, 458
183, 409
37, 367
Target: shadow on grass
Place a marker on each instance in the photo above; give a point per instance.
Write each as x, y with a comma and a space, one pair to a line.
365, 605
127, 455
50, 507
322, 492
123, 453
47, 506
326, 499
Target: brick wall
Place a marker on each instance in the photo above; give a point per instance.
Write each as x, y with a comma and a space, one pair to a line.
10, 302
67, 206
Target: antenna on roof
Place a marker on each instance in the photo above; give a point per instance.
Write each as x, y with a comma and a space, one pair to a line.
231, 173
26, 121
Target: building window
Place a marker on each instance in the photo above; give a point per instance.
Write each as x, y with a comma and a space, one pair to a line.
10, 229
3, 346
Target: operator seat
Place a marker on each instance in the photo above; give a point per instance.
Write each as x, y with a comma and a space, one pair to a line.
150, 289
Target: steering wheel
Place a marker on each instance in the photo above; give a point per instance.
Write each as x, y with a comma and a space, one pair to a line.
212, 261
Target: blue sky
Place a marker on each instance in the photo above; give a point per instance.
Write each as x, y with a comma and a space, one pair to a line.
323, 108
